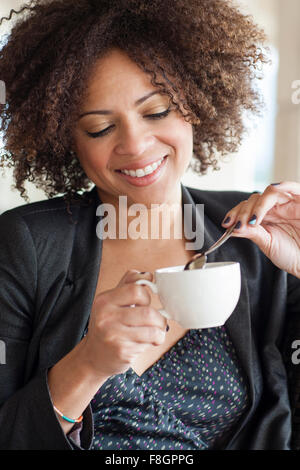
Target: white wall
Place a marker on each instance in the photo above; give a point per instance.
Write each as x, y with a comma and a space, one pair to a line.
287, 157
252, 167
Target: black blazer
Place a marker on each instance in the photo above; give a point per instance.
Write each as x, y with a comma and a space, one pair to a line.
49, 265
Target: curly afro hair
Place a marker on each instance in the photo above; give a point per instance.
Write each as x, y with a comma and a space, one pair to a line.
204, 54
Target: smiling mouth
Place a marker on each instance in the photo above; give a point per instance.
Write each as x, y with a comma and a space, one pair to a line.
141, 172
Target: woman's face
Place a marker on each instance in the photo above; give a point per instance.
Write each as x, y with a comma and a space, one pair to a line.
126, 124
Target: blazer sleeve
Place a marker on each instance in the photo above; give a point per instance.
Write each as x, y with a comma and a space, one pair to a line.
291, 355
27, 417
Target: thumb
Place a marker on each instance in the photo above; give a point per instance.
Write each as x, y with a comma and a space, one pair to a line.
259, 235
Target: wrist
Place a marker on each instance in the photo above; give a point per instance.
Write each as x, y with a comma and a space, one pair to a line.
72, 384
87, 366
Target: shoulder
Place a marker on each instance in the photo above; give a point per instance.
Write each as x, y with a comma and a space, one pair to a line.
56, 207
223, 198
217, 203
45, 214
37, 209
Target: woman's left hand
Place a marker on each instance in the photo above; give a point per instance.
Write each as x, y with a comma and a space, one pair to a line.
272, 221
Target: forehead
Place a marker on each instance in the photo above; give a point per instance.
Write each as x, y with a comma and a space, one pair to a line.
116, 74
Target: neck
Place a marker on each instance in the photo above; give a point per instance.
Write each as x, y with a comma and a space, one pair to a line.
141, 223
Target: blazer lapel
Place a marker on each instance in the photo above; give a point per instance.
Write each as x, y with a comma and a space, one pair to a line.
238, 325
67, 317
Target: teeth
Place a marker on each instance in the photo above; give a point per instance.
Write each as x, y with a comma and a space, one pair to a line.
143, 171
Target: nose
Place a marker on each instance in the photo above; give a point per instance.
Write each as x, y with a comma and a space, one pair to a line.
134, 140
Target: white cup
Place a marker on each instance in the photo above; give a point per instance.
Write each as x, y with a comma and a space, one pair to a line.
198, 298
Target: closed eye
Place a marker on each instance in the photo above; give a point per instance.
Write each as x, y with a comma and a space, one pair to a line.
94, 135
159, 115
108, 129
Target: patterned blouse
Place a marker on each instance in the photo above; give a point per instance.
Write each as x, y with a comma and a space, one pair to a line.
190, 399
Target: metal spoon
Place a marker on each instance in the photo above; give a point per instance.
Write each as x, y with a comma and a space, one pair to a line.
199, 260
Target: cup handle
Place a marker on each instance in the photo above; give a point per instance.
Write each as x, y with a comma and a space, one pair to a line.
154, 289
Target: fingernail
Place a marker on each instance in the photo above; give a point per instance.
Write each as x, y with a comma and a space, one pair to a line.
252, 220
167, 328
227, 220
238, 225
275, 184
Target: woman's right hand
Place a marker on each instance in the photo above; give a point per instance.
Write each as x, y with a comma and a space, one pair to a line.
118, 333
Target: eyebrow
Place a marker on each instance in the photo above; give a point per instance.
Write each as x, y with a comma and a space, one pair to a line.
106, 111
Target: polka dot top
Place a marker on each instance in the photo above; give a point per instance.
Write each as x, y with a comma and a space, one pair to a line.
190, 399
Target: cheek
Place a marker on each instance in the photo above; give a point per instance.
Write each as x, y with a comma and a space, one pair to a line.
183, 139
91, 155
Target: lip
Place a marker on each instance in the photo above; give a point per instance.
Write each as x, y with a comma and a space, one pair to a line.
147, 179
140, 165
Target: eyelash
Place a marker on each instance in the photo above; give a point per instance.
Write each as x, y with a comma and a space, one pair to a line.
157, 116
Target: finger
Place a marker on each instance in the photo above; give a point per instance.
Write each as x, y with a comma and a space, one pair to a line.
133, 275
291, 187
145, 335
134, 349
289, 212
240, 213
123, 296
142, 316
266, 202
258, 234
258, 206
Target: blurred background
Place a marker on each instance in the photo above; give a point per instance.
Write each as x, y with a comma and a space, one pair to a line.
271, 148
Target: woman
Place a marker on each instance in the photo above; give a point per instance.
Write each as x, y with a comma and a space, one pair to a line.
100, 92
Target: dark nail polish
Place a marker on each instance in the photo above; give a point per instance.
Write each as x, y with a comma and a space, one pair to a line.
238, 225
167, 328
227, 220
252, 220
275, 184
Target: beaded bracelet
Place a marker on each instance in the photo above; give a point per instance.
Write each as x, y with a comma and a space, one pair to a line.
70, 420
